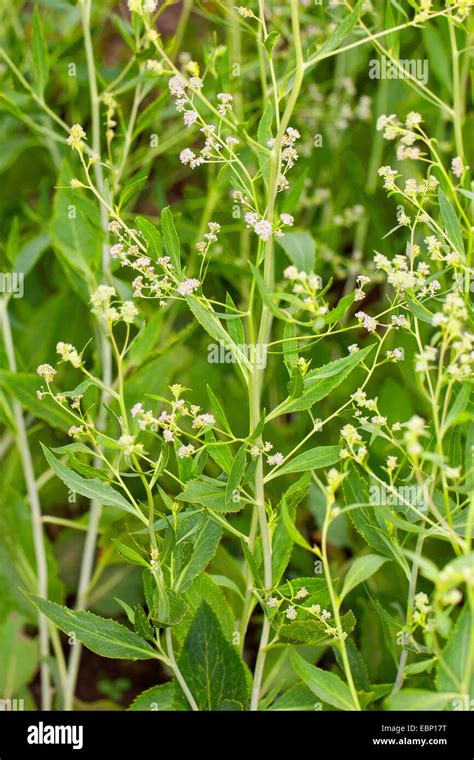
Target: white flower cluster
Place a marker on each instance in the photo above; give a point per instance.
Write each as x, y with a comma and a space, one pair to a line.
167, 421
101, 303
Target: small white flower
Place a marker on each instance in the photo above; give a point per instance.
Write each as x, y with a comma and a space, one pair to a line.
187, 156
302, 593
272, 602
177, 86
457, 166
185, 451
189, 118
187, 287
68, 353
291, 612
276, 459
263, 229
128, 312
47, 372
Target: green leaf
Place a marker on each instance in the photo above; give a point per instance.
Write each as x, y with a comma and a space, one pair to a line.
128, 553
300, 249
320, 456
210, 665
19, 661
236, 474
455, 670
361, 570
327, 686
209, 321
298, 697
264, 134
23, 386
234, 325
141, 624
320, 382
282, 544
312, 631
418, 699
92, 489
129, 192
40, 54
101, 635
208, 492
159, 698
292, 531
218, 410
450, 222
270, 41
170, 239
342, 30
151, 235
204, 548
265, 293
76, 237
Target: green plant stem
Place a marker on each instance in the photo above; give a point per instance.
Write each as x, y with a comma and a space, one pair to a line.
35, 507
458, 101
256, 380
179, 676
335, 607
411, 598
87, 562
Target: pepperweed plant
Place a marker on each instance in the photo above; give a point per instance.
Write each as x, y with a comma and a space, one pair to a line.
237, 355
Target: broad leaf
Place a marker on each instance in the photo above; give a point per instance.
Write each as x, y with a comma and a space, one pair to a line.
210, 665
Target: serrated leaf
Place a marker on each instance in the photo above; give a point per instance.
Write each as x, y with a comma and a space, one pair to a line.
210, 665
209, 321
204, 548
320, 382
158, 698
103, 636
92, 489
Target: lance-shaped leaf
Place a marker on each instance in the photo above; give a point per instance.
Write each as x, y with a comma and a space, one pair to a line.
326, 685
361, 570
320, 456
91, 488
209, 321
101, 635
171, 239
321, 382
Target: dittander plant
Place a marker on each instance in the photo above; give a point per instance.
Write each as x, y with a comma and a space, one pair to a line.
250, 420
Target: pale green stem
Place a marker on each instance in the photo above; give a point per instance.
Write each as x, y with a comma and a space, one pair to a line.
35, 506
